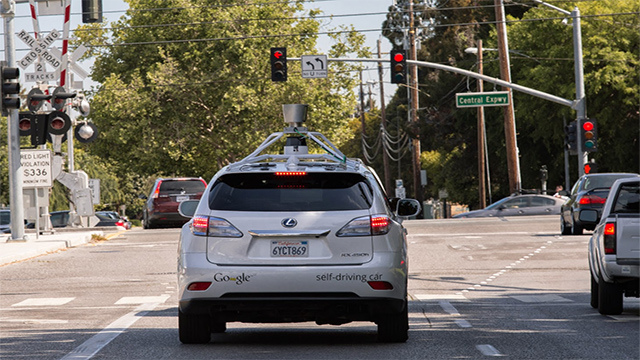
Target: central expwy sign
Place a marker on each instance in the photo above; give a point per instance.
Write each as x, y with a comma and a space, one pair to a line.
493, 98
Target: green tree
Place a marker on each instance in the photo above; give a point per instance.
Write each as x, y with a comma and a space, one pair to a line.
186, 86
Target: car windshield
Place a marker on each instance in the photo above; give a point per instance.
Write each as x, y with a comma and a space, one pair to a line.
601, 181
628, 201
308, 192
181, 187
496, 204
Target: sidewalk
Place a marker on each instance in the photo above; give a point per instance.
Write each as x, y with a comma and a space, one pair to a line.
13, 251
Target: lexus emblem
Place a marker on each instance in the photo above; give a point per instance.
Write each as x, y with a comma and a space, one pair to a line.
289, 222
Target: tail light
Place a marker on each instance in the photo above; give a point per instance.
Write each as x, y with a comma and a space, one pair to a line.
120, 223
156, 192
610, 238
213, 226
366, 225
592, 200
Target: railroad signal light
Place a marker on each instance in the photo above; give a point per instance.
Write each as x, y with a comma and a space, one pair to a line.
589, 135
34, 125
35, 99
10, 86
59, 98
279, 64
398, 67
86, 132
58, 123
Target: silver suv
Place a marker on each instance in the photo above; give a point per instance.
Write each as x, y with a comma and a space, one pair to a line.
294, 237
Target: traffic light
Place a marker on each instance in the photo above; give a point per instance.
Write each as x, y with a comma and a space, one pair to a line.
571, 137
398, 67
590, 168
59, 98
10, 87
279, 64
91, 11
589, 135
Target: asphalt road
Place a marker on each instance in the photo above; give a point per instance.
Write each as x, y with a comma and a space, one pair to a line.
478, 287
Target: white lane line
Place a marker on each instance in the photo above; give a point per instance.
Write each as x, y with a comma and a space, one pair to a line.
488, 350
447, 307
44, 302
463, 323
94, 344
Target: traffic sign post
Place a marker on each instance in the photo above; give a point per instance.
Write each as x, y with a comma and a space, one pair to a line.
493, 98
36, 168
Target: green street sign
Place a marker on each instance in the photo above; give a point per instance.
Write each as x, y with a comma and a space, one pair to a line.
491, 98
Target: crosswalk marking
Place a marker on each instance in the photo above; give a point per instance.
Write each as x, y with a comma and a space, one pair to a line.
45, 301
128, 300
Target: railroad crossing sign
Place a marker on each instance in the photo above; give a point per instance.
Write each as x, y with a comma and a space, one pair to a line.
39, 48
491, 98
314, 66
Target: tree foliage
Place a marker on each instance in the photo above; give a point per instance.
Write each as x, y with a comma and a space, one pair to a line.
186, 88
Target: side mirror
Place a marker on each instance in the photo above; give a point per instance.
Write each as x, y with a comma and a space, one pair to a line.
188, 208
407, 207
588, 216
142, 196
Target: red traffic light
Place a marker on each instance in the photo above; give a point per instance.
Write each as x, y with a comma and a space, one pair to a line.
590, 168
277, 54
587, 126
398, 57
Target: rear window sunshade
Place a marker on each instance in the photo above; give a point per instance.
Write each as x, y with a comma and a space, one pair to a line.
309, 192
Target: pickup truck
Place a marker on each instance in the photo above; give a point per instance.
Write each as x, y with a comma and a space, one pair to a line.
614, 247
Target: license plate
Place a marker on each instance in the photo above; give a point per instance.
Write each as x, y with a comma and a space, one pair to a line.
181, 198
289, 248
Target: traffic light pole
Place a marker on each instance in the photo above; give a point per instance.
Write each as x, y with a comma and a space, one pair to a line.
16, 204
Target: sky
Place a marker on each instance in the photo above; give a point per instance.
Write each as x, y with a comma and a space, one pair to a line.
370, 15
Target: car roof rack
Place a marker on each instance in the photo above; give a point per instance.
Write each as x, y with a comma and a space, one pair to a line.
332, 158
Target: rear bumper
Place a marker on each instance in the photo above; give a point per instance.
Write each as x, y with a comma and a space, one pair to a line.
323, 308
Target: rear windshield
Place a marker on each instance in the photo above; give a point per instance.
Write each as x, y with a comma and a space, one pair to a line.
601, 181
628, 200
168, 187
310, 192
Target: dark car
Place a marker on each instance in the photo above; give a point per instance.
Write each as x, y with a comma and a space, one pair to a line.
161, 207
60, 219
115, 216
5, 221
589, 192
519, 205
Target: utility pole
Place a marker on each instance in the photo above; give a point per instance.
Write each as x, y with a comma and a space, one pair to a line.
362, 112
482, 193
513, 162
417, 181
16, 204
383, 124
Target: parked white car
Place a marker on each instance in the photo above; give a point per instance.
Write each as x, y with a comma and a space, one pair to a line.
614, 247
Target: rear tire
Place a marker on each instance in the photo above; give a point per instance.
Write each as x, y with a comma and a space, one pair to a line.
564, 229
575, 228
609, 297
194, 329
594, 291
394, 328
218, 327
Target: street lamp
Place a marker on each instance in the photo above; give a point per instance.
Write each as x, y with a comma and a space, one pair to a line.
580, 103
